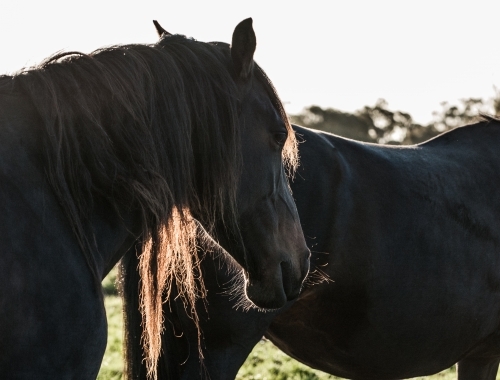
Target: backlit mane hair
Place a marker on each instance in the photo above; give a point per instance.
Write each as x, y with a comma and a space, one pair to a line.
153, 131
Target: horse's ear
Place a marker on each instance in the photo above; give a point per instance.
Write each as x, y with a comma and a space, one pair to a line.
242, 48
161, 32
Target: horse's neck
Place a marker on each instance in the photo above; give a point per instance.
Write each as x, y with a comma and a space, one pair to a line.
26, 187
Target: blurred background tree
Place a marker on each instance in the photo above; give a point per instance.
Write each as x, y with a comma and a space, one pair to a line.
379, 124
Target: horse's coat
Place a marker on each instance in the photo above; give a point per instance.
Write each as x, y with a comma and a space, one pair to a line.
410, 240
123, 148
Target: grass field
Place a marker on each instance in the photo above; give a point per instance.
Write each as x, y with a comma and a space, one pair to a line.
265, 362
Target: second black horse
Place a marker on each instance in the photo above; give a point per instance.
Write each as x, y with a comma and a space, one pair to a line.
409, 238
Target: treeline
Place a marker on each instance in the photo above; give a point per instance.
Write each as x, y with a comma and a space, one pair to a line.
379, 124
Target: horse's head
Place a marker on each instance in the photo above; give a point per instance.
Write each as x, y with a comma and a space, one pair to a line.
274, 255
258, 223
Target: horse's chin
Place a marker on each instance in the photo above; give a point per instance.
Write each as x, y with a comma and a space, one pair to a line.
273, 289
265, 297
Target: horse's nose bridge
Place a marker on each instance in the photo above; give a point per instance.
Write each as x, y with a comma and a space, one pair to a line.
285, 198
291, 236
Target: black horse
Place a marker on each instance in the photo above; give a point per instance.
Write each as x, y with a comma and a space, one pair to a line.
136, 145
409, 238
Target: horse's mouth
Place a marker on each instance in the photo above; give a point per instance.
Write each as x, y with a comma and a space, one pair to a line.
292, 289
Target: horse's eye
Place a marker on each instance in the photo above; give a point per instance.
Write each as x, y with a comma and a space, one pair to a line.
280, 137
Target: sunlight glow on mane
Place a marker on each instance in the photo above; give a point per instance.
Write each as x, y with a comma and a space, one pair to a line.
177, 265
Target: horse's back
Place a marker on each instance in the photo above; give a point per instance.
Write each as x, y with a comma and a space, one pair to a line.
412, 245
49, 302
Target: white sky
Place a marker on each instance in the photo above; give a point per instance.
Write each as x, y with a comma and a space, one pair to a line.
340, 54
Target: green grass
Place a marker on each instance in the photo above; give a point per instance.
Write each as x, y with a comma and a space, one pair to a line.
112, 364
265, 362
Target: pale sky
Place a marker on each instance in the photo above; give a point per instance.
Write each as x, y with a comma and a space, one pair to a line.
340, 54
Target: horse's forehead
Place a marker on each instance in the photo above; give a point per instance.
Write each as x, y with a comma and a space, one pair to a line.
259, 97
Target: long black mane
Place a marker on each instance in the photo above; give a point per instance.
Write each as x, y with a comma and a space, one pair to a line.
114, 130
152, 130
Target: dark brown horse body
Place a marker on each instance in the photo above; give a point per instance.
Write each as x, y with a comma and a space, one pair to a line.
410, 240
126, 147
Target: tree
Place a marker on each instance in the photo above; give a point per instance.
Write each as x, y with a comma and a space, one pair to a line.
466, 112
379, 124
334, 121
371, 124
389, 127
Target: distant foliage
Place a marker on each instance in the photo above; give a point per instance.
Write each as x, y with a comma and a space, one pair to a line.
379, 124
331, 120
109, 283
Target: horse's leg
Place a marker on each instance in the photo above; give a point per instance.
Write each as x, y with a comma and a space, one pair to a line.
478, 368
